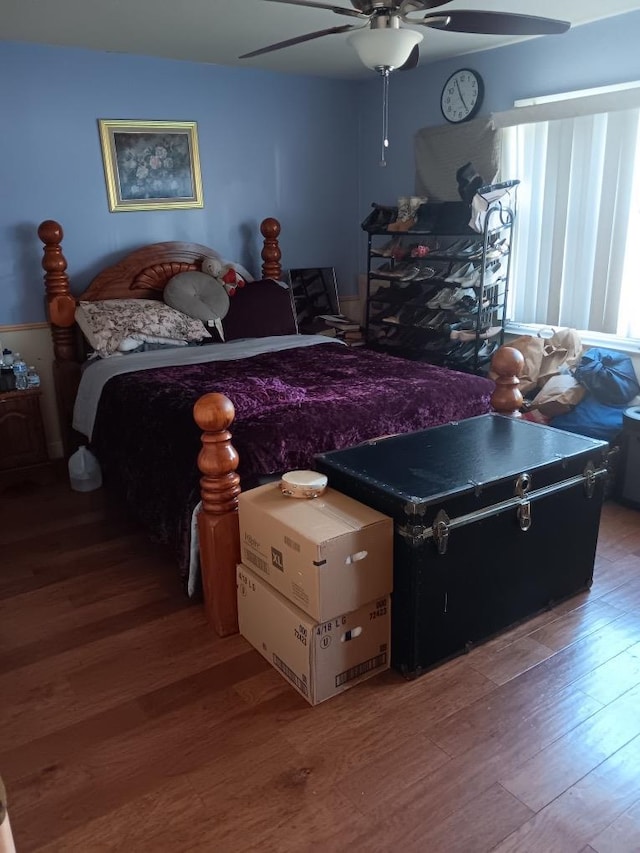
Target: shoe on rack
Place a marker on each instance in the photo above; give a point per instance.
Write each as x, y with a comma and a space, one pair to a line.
384, 251
425, 273
487, 349
453, 297
473, 249
437, 320
461, 272
423, 319
498, 249
409, 273
464, 352
468, 309
435, 301
393, 270
493, 273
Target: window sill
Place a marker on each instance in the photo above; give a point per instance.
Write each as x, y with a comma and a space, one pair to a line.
631, 346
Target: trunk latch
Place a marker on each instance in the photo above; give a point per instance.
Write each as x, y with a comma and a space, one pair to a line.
523, 484
440, 530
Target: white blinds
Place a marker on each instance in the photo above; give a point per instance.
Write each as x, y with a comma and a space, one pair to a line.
571, 265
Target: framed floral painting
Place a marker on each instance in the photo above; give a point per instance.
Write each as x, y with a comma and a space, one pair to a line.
151, 165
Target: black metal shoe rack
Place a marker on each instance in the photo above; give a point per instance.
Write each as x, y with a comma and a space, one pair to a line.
437, 291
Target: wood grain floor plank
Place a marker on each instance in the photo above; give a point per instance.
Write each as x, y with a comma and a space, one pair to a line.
172, 813
78, 637
513, 705
471, 773
479, 825
612, 575
87, 680
605, 683
392, 770
586, 809
72, 563
576, 624
202, 737
389, 701
559, 766
509, 661
621, 836
628, 594
592, 651
283, 818
330, 825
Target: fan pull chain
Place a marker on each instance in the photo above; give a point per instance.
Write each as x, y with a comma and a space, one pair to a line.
385, 115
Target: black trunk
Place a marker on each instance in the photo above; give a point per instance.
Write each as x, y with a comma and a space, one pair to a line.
481, 574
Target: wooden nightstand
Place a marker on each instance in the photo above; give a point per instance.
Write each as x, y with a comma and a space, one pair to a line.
22, 441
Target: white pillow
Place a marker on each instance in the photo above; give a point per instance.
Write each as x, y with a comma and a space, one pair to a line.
107, 323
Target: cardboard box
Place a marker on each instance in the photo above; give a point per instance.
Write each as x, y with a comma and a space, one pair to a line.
319, 659
329, 555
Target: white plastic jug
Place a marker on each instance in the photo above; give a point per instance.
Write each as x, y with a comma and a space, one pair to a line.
84, 471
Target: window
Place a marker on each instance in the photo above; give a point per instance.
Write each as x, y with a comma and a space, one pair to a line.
576, 260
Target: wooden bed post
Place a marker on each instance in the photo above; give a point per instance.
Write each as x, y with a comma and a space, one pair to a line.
61, 308
218, 519
271, 254
220, 485
507, 364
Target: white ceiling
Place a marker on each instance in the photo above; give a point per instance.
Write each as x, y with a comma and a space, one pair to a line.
218, 31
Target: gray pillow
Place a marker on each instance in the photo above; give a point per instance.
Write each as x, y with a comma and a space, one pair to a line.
198, 295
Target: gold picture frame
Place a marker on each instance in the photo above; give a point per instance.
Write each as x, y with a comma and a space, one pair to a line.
151, 165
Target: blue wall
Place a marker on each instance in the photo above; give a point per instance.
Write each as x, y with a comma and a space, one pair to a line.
270, 145
302, 149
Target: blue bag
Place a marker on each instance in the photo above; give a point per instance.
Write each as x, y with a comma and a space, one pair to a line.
593, 419
608, 375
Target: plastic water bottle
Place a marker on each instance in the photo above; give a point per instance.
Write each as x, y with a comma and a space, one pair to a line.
20, 373
33, 378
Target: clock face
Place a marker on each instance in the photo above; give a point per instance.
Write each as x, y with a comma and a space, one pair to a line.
462, 95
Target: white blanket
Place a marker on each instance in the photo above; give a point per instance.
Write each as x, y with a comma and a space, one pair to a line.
99, 372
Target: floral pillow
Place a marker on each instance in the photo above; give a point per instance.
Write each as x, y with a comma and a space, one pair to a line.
107, 323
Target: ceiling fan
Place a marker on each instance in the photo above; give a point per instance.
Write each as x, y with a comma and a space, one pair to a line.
384, 45
386, 16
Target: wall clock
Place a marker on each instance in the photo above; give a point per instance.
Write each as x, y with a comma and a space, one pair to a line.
462, 95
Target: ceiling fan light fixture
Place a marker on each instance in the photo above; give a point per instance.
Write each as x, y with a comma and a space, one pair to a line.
385, 47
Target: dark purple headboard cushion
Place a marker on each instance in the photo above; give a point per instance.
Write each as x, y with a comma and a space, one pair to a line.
259, 309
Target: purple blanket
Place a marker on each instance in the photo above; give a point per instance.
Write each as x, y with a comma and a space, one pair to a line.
289, 406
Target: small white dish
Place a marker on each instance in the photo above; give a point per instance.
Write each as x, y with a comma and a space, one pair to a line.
303, 484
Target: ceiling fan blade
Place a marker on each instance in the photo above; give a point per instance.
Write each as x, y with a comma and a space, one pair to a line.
339, 10
494, 23
299, 39
408, 6
414, 58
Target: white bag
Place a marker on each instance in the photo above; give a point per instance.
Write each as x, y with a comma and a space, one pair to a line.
498, 197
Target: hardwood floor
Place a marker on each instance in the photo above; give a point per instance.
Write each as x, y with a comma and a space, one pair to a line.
126, 724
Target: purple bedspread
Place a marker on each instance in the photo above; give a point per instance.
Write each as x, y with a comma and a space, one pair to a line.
289, 406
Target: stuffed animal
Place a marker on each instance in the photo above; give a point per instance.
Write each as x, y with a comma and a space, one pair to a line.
225, 273
232, 279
